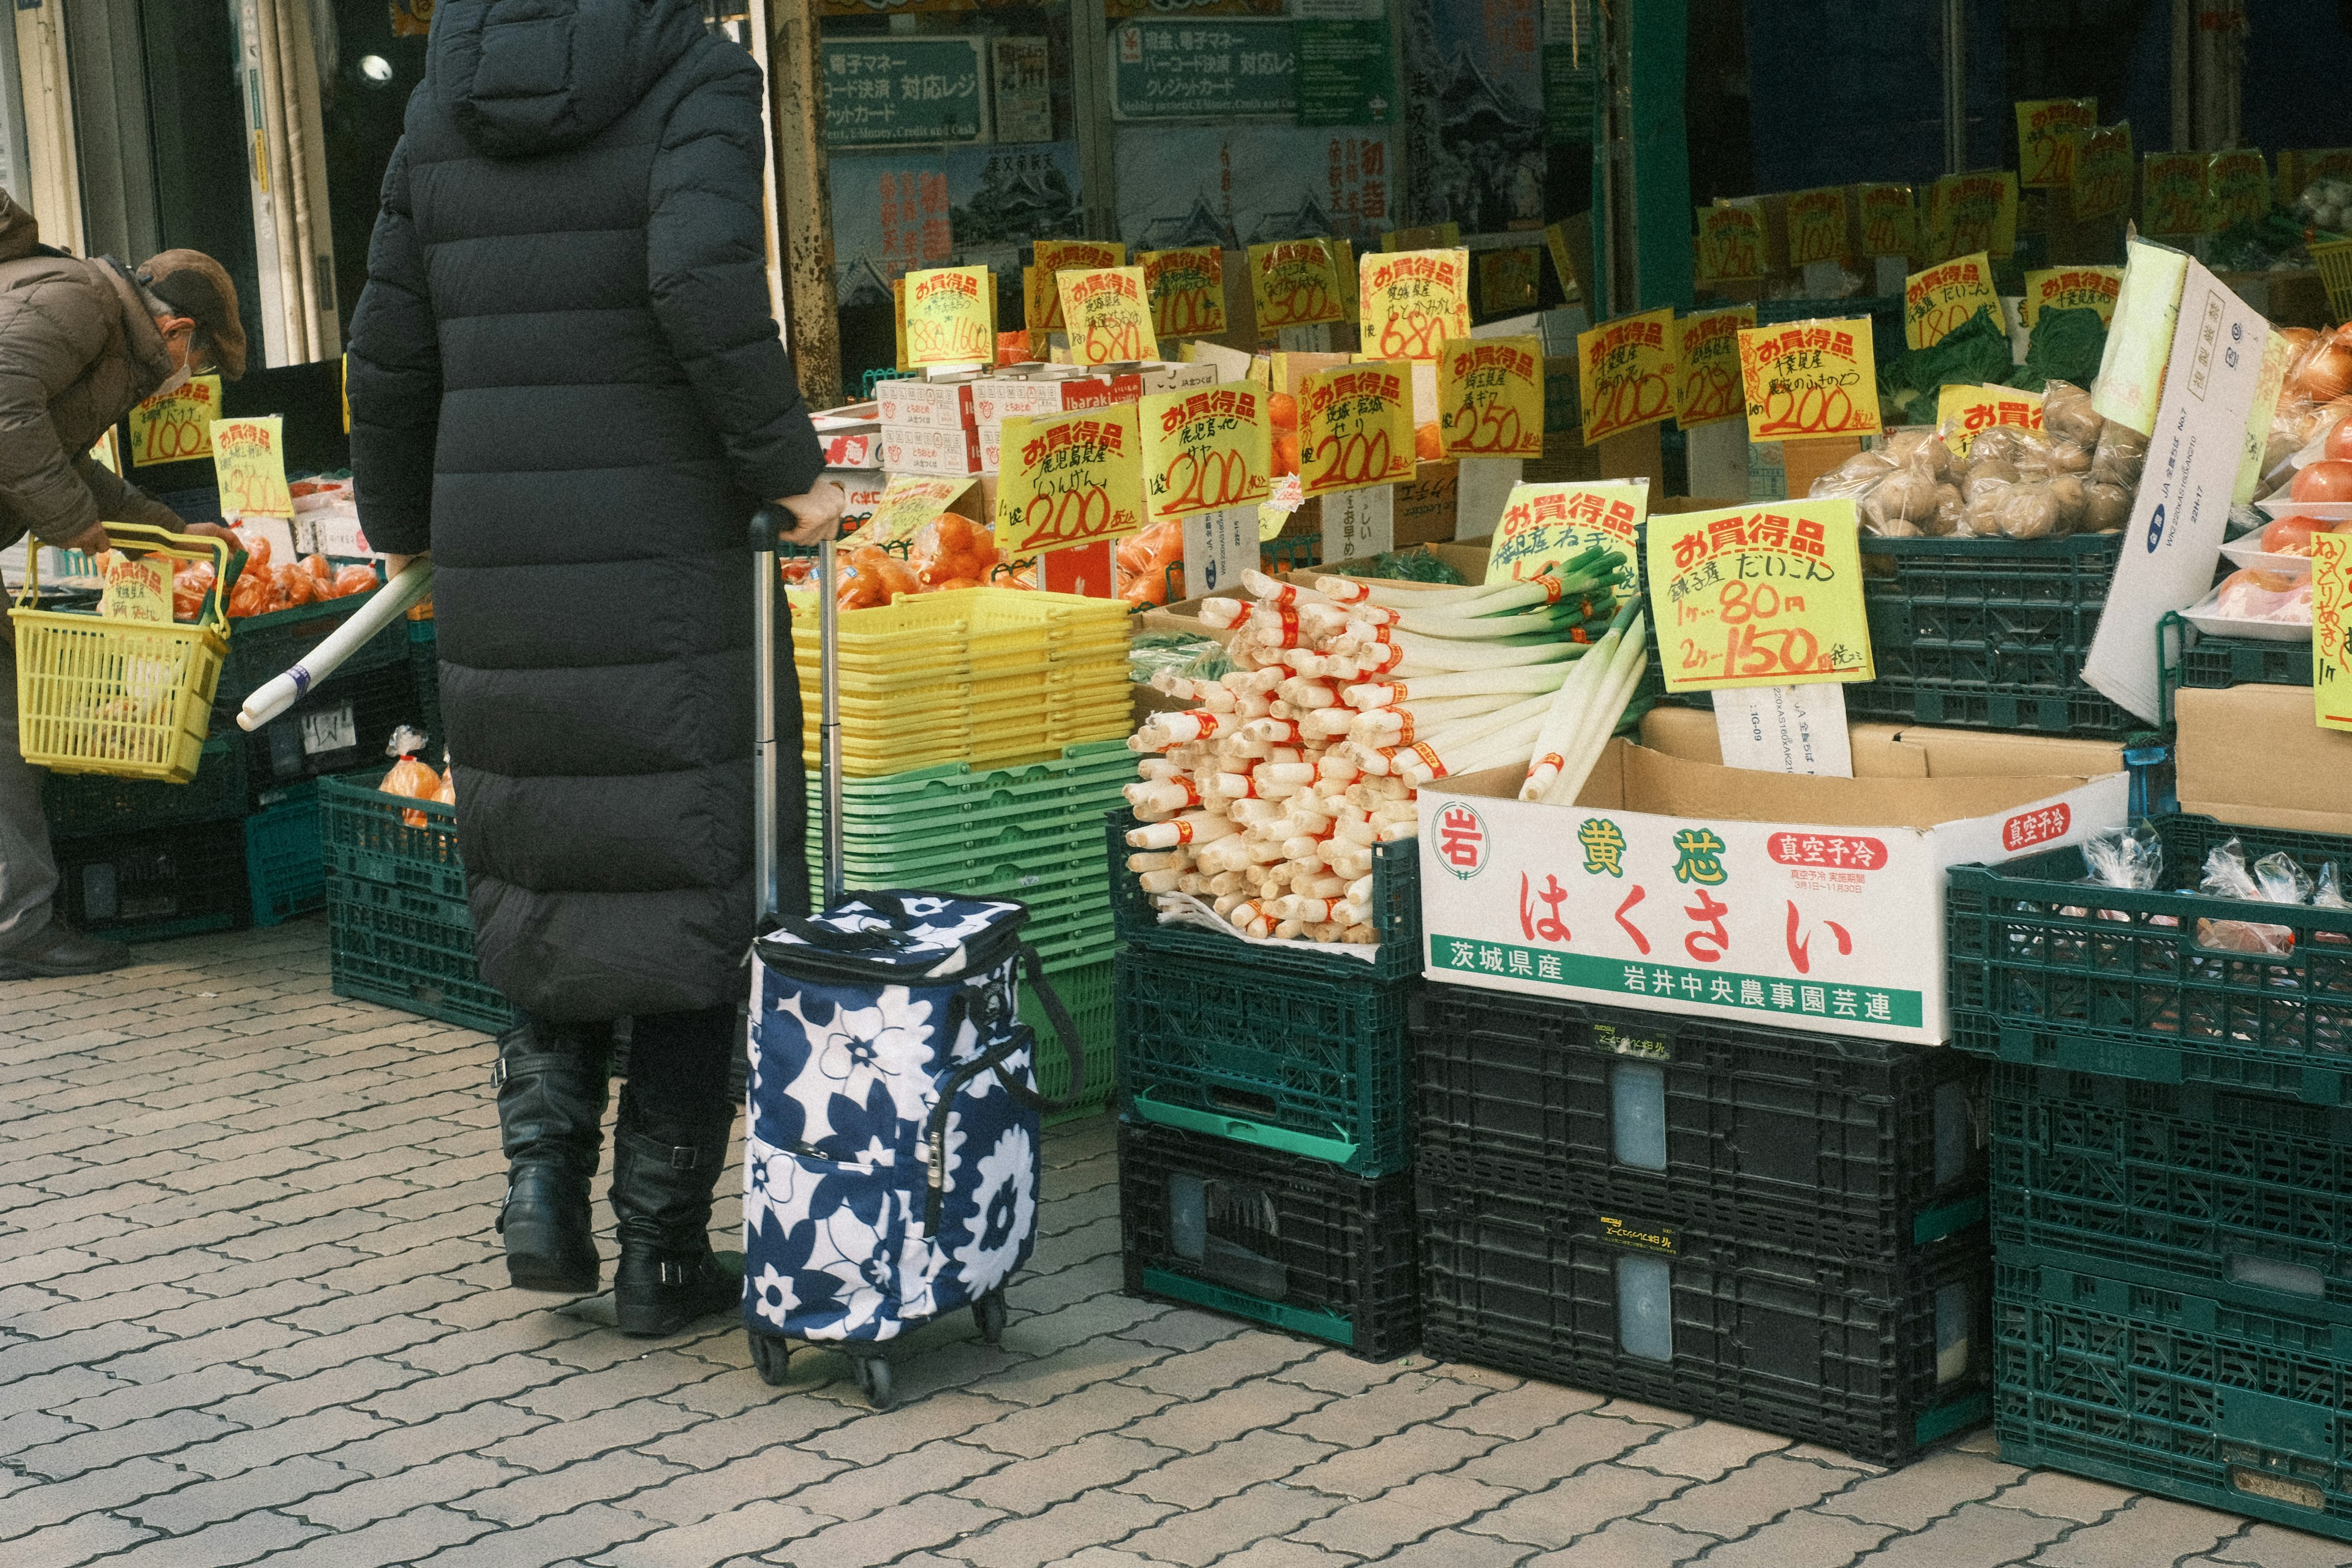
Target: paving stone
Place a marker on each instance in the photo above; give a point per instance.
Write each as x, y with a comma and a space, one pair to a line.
1423, 1449
79, 1540
1805, 1539
237, 1451
1926, 1490
1747, 1497
1452, 1548
1202, 1423
113, 1487
876, 1436
1517, 1412
549, 1444
1198, 1479
2055, 1495
582, 1532
1101, 1517
1103, 1460
381, 1498
1103, 1407
747, 1531
480, 1430
1335, 1371
1058, 1372
1286, 1553
861, 1544
94, 1450
1407, 1400
1976, 1536
1578, 1506
700, 1493
1202, 1535
2151, 1529
235, 1540
1231, 1361
393, 1542
2268, 1546
1535, 1463
606, 1478
940, 1467
211, 1502
1705, 1452
1406, 1513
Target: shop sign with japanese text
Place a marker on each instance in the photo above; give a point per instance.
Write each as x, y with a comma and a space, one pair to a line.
250, 462
2331, 630
2173, 197
1706, 365
1490, 397
1187, 289
1964, 412
2241, 183
1809, 379
1890, 220
1817, 229
1355, 427
2102, 171
1768, 595
177, 427
1070, 478
886, 92
1205, 450
1411, 301
1972, 211
908, 506
1041, 291
1939, 299
1625, 373
1730, 243
1544, 524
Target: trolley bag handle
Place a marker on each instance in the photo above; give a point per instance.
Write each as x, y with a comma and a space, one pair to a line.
810, 929
769, 524
1066, 1029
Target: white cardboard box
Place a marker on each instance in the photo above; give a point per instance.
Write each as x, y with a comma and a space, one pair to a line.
864, 488
1677, 885
917, 449
333, 532
907, 402
996, 399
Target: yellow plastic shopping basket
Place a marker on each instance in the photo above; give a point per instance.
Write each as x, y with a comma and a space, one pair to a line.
130, 698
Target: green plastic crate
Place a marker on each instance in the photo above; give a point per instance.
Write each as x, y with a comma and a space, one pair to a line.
1087, 990
2041, 973
284, 866
1263, 1054
2169, 1391
381, 952
261, 647
366, 836
80, 804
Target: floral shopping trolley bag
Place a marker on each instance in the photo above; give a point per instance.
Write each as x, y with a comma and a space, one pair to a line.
891, 1153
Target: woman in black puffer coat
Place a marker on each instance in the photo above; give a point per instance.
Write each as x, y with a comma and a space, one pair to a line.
566, 384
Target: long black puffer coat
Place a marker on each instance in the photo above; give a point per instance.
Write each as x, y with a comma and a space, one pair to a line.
566, 382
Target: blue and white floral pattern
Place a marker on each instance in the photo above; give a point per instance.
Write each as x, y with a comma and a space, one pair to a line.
846, 1080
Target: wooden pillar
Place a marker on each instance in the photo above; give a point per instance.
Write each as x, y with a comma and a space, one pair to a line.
804, 206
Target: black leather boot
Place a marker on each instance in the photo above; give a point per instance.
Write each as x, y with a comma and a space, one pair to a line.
551, 1079
662, 1180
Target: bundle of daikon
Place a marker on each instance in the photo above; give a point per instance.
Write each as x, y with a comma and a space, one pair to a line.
1265, 801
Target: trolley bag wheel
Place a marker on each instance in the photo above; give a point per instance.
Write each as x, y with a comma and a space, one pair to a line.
989, 1313
873, 1381
771, 1357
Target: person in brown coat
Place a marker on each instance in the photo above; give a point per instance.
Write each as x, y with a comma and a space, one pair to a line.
81, 343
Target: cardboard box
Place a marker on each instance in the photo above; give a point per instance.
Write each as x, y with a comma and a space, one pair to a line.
998, 398
1470, 560
1426, 505
1809, 460
855, 446
907, 403
1676, 885
863, 487
919, 449
2251, 754
1909, 750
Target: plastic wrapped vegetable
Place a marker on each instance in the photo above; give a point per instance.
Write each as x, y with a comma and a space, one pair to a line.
190, 584
409, 777
953, 552
2257, 594
874, 579
353, 579
2275, 878
1143, 561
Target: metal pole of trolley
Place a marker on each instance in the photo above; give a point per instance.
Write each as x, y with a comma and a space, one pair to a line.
763, 721
829, 734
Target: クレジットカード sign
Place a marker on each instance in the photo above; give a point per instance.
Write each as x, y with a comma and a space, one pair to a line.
1070, 479
1355, 427
1939, 299
1108, 316
1490, 397
1809, 379
249, 461
1204, 451
1763, 596
1186, 288
889, 92
1544, 524
1707, 366
1625, 373
1411, 301
951, 316
1294, 283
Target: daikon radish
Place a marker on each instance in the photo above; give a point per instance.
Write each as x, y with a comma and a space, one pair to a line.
1195, 827
1522, 678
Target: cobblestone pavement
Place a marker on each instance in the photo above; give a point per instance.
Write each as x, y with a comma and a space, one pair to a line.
251, 1309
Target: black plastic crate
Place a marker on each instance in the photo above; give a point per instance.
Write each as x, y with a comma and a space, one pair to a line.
1259, 1054
1289, 1242
2167, 1391
1879, 1356
80, 804
1800, 1137
2213, 662
342, 725
2241, 1196
1396, 915
2050, 970
156, 884
1982, 705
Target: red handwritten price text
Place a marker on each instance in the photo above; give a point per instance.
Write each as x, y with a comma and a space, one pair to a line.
1804, 381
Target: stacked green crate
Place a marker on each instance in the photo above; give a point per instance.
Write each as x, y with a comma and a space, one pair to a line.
1030, 832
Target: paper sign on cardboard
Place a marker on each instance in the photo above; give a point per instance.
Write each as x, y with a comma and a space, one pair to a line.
951, 316
1490, 397
2046, 131
1730, 243
1939, 299
2239, 182
2102, 185
1108, 316
2139, 336
1219, 546
1817, 227
2071, 289
907, 505
250, 462
1544, 524
1964, 412
1355, 427
1188, 292
2174, 537
1625, 373
175, 427
1785, 730
1890, 220
1706, 367
1205, 451
1359, 523
1969, 213
1809, 379
1070, 478
1411, 301
2173, 197
1293, 283
2331, 630
1041, 291
1758, 596
137, 589
2277, 354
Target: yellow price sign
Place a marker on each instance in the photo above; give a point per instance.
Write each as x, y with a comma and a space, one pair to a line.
1707, 363
2172, 195
1730, 247
1109, 316
1543, 525
2241, 183
2102, 171
2046, 129
2073, 289
1890, 220
1490, 397
1343, 267
1938, 301
898, 318
1817, 228
1187, 289
1556, 242
1041, 298
906, 506
249, 463
1355, 427
1625, 373
1294, 283
136, 589
1509, 278
1768, 595
1969, 213
1205, 450
2331, 630
1070, 478
1809, 379
951, 316
1411, 301
1964, 412
177, 427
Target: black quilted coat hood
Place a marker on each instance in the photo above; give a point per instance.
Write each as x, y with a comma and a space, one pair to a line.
565, 381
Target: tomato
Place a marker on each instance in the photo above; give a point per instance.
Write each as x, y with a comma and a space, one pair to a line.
2329, 480
2339, 439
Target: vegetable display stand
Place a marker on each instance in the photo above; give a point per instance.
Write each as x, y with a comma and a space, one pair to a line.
399, 931
342, 724
2243, 1197
151, 886
1877, 1355
2167, 1390
285, 867
1262, 1053
261, 647
80, 804
1289, 1242
1801, 1139
2049, 970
